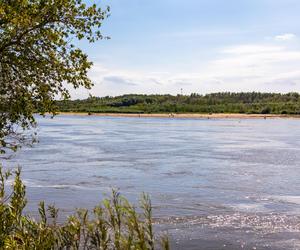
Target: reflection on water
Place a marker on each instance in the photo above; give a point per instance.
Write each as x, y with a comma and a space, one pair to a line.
207, 178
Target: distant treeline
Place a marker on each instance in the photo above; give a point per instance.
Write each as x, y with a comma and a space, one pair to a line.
248, 103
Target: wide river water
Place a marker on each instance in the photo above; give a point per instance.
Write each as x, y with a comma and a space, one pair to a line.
214, 183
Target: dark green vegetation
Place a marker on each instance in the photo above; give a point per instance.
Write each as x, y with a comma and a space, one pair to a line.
248, 103
39, 57
113, 224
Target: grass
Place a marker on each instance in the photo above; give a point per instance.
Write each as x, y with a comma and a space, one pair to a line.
113, 224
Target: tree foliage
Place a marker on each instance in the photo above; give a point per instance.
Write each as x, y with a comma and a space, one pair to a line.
39, 57
251, 103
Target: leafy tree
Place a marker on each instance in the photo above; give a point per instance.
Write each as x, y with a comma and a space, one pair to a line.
39, 58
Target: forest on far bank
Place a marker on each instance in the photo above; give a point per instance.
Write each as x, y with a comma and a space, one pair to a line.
226, 102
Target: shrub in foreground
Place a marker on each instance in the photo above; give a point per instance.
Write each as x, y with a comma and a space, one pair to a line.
113, 224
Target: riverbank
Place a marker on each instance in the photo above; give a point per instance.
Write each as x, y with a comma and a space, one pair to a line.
187, 115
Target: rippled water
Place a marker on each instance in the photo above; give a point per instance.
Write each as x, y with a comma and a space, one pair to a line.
218, 183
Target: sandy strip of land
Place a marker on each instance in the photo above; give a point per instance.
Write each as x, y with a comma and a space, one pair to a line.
192, 115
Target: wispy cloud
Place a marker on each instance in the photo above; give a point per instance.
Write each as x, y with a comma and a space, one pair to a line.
285, 37
244, 67
119, 80
251, 49
256, 67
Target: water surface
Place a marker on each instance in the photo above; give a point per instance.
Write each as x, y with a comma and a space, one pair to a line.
218, 183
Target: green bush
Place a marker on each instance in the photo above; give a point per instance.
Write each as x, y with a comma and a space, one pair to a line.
266, 110
113, 224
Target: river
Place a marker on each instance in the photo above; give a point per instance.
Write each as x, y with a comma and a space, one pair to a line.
214, 183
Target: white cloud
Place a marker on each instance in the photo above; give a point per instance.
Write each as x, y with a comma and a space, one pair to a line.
285, 37
250, 67
257, 68
251, 49
118, 80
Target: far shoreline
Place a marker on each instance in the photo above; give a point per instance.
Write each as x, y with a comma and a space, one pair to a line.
186, 115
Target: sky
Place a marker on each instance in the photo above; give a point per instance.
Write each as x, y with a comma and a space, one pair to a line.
196, 46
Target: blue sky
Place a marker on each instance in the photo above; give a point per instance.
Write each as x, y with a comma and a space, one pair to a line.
199, 46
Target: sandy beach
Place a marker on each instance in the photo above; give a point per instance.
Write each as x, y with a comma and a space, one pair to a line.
187, 115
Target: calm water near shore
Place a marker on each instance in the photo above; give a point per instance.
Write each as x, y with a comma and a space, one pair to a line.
214, 184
